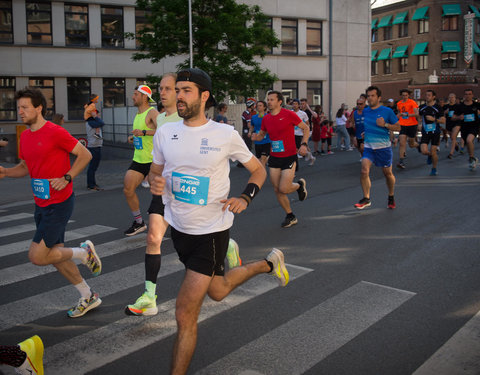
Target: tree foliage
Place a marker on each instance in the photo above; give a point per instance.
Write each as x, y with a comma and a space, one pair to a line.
229, 39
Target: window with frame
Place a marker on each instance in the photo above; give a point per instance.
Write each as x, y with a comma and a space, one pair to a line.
403, 29
8, 105
76, 25
423, 62
141, 23
269, 24
113, 92
403, 65
374, 35
387, 33
78, 94
289, 37
289, 90
423, 26
477, 29
314, 93
387, 66
374, 68
46, 86
449, 60
112, 27
39, 22
449, 23
314, 38
6, 25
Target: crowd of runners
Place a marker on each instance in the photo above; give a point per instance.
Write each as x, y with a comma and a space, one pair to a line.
185, 157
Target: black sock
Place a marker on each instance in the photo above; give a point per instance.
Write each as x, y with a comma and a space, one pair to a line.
152, 267
12, 355
290, 215
270, 264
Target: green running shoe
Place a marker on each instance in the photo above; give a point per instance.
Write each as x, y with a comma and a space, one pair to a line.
233, 254
144, 305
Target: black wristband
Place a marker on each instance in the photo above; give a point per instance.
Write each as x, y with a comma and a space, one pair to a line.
250, 191
304, 144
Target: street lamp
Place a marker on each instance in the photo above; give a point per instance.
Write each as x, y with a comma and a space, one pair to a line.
190, 31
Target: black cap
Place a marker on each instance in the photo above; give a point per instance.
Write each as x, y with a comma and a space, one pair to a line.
199, 77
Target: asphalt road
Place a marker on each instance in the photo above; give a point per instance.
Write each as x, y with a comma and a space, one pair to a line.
376, 291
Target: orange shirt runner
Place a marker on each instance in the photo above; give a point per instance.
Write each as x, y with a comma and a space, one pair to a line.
407, 107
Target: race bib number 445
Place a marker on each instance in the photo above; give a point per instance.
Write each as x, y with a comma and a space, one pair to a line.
41, 188
190, 189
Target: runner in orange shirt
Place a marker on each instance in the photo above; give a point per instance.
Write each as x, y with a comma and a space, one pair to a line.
407, 116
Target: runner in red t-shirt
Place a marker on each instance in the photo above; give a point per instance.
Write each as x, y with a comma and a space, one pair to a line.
280, 125
45, 151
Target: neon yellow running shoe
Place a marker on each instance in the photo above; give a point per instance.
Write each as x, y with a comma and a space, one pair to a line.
233, 254
279, 270
144, 305
34, 362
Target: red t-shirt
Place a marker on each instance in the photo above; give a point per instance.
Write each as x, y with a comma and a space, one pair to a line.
280, 129
46, 152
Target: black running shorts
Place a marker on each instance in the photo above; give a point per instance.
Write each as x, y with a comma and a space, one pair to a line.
466, 130
409, 131
140, 168
51, 222
262, 150
204, 253
282, 163
433, 138
156, 206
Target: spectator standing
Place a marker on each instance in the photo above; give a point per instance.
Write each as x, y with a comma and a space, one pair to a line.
341, 129
222, 110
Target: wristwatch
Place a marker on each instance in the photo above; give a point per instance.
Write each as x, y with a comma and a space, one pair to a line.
68, 178
304, 144
144, 132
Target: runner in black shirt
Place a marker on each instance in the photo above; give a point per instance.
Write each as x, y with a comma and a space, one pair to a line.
469, 112
453, 126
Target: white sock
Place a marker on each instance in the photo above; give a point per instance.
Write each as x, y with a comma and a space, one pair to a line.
79, 253
84, 289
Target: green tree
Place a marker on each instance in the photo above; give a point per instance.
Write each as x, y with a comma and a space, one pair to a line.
229, 39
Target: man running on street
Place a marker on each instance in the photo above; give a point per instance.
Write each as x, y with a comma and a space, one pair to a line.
432, 116
144, 127
146, 304
452, 125
45, 150
407, 116
379, 121
191, 170
280, 125
358, 121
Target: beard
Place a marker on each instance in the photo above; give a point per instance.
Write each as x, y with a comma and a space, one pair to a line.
189, 111
31, 120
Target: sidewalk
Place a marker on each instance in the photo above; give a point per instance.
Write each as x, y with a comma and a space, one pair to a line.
14, 191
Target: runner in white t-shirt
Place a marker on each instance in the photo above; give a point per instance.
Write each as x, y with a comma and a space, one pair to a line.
299, 132
190, 169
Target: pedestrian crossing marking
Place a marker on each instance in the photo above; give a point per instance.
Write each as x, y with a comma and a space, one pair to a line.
315, 334
20, 229
130, 334
19, 216
75, 234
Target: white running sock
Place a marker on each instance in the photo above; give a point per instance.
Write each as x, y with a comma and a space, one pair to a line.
79, 253
84, 289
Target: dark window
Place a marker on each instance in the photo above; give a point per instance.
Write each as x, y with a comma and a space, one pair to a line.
387, 33
289, 37
477, 23
449, 60
78, 94
423, 62
478, 62
449, 23
39, 22
314, 38
141, 23
387, 67
76, 25
112, 27
374, 35
113, 92
269, 24
289, 90
46, 86
374, 65
314, 92
8, 106
403, 65
403, 30
423, 26
6, 25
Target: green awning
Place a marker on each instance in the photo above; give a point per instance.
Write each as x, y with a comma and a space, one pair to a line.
385, 21
420, 49
420, 14
400, 18
385, 54
475, 10
374, 23
374, 54
451, 10
476, 49
400, 52
453, 46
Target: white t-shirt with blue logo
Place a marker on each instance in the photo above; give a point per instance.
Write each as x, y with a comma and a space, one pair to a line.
376, 136
196, 169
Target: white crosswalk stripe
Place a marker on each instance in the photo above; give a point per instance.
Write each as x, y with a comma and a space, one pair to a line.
9, 231
21, 215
